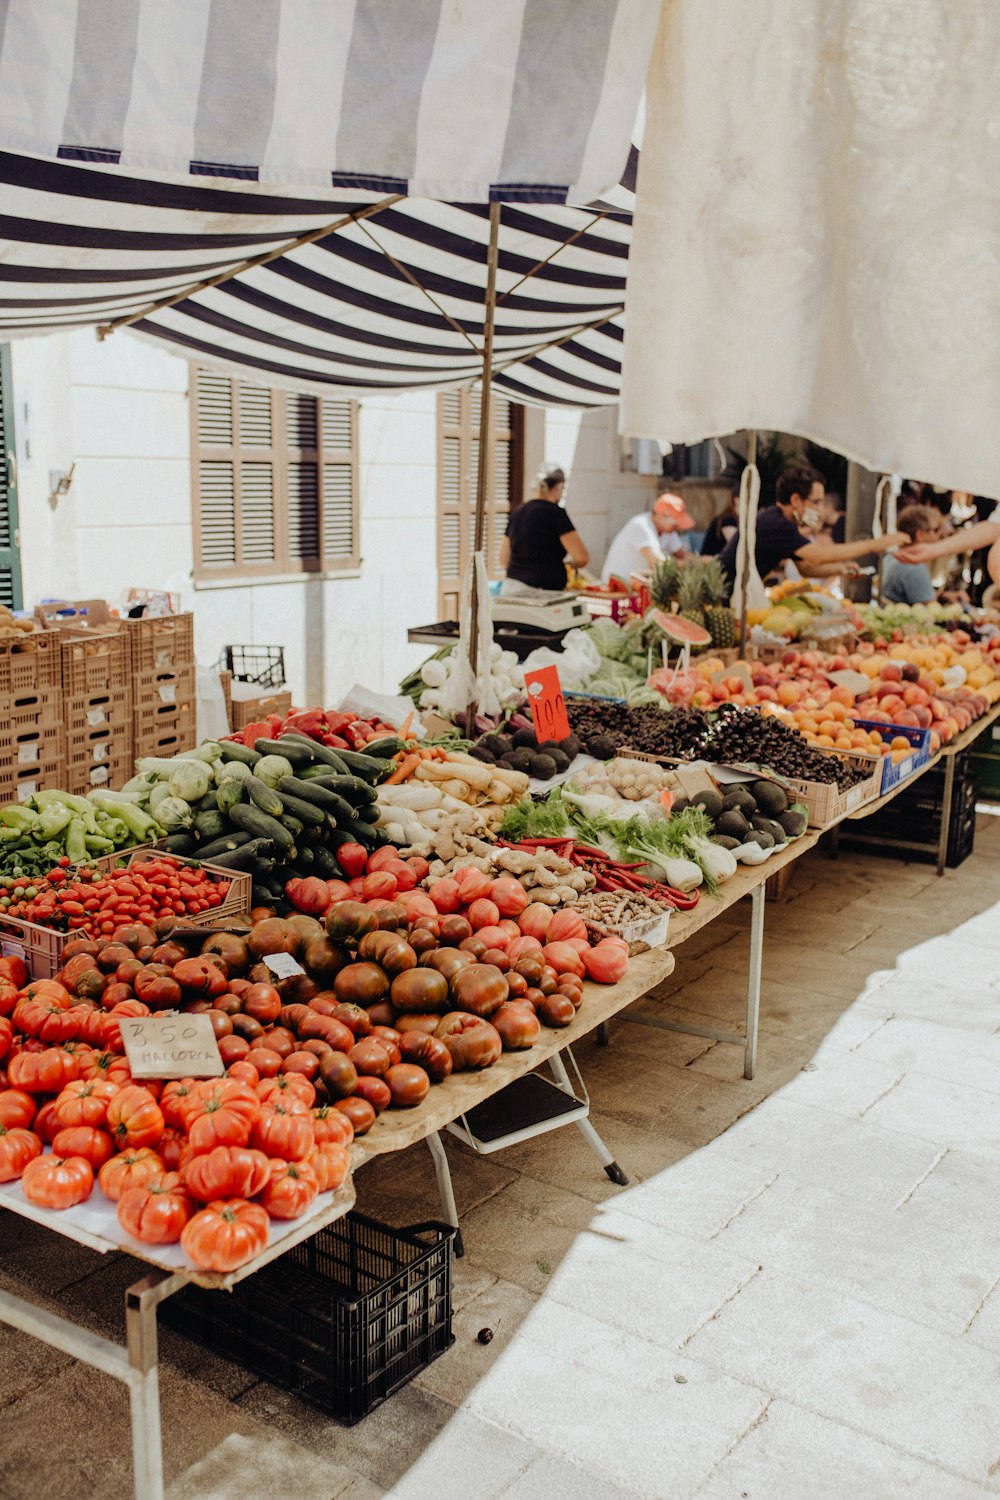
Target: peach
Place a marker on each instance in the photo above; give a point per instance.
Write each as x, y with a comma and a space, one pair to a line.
788, 693
923, 715
908, 717
891, 672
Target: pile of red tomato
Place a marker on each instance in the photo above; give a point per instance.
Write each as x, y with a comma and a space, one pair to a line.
86, 900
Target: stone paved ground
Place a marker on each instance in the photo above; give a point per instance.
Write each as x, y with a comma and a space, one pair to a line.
798, 1295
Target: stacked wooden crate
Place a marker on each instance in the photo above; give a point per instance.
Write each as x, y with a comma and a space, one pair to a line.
32, 736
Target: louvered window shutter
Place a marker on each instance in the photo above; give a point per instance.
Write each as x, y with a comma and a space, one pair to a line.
10, 543
275, 480
458, 461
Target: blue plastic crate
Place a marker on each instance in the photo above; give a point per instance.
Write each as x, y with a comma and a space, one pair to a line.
920, 739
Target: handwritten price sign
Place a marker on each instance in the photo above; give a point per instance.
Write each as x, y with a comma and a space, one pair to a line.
171, 1046
548, 706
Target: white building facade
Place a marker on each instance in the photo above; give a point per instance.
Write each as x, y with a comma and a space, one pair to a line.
118, 415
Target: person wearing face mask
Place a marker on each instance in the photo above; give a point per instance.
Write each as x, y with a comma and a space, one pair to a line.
782, 532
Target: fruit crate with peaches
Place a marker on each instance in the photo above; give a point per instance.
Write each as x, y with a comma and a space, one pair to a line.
907, 751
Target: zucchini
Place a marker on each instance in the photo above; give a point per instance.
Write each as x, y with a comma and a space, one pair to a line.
262, 796
252, 820
246, 856
294, 751
223, 846
178, 843
306, 812
260, 894
360, 833
369, 814
386, 748
322, 754
295, 828
211, 824
351, 788
311, 791
306, 858
324, 864
228, 793
232, 750
365, 766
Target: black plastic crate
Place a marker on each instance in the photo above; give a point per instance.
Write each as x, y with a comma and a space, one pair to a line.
342, 1320
915, 817
264, 665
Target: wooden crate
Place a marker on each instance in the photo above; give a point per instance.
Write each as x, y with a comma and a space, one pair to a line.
248, 710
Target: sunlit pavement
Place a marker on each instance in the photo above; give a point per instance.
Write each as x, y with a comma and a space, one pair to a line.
796, 1297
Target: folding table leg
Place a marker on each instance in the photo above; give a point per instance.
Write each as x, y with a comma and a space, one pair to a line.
753, 980
585, 1128
949, 787
443, 1174
141, 1301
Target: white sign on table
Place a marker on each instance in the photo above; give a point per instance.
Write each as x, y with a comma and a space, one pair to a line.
171, 1046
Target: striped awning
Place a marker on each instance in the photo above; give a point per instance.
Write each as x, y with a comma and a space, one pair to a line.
392, 298
457, 100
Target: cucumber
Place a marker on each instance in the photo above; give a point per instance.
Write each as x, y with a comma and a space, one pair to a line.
324, 864
365, 766
263, 865
386, 748
246, 856
228, 793
262, 796
361, 833
252, 820
369, 814
294, 751
311, 791
260, 894
223, 846
178, 843
306, 812
295, 828
206, 803
306, 858
322, 754
210, 824
232, 750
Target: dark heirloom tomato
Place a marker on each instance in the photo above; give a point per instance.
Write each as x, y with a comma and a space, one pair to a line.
169, 954
326, 1029
291, 1015
429, 1052
422, 941
531, 968
390, 951
381, 1014
317, 1047
325, 1003
448, 961
455, 929
157, 990
354, 1018
230, 948
350, 919
267, 1063
233, 1048
338, 1074
497, 957
418, 990
518, 1026
361, 984
248, 1027
114, 954
371, 1059
556, 1010
230, 1004
359, 1112
375, 1090
392, 917
220, 1023
481, 989
306, 925
323, 958
517, 986
306, 1063
408, 1085
426, 1022
263, 1002
472, 1042
473, 945
273, 936
279, 1040
201, 976
532, 997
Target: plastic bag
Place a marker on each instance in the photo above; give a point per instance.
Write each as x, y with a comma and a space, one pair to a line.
577, 662
390, 709
212, 721
462, 688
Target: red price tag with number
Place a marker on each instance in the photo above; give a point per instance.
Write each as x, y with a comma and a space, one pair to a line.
548, 706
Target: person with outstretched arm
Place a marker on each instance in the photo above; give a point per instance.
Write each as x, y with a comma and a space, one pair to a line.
966, 539
781, 533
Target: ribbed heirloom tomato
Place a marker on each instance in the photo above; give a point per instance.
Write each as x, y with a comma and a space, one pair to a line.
57, 1181
134, 1118
156, 1212
286, 1085
332, 1125
85, 1102
225, 1235
331, 1164
220, 1113
95, 1146
17, 1148
45, 1072
284, 1129
290, 1189
16, 1108
129, 1169
226, 1172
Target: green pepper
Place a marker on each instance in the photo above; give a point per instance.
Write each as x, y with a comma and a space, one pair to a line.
15, 816
76, 841
53, 820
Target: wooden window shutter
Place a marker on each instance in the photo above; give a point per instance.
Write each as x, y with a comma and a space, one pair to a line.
275, 480
11, 593
458, 460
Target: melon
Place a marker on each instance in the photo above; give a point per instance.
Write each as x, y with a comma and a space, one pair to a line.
682, 630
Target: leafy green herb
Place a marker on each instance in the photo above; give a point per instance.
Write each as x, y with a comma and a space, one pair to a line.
536, 820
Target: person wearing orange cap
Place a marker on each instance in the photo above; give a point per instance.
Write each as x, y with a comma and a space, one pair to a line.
646, 539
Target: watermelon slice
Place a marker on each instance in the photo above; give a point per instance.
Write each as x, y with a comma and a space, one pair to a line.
685, 632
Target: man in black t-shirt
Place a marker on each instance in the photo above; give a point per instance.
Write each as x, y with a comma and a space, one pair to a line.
800, 494
540, 535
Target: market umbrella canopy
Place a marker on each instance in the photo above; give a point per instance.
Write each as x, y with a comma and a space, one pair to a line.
817, 236
387, 302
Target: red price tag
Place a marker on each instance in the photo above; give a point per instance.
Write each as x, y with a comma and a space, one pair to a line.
548, 707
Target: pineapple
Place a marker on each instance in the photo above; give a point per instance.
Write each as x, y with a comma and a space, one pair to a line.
664, 583
720, 621
691, 591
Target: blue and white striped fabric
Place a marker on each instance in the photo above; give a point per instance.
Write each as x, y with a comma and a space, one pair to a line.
460, 100
82, 245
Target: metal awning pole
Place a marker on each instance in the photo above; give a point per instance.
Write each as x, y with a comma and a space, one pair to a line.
749, 542
482, 471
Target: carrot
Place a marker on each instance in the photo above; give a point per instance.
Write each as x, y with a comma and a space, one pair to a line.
405, 768
406, 725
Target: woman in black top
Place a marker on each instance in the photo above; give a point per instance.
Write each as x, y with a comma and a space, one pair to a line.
539, 536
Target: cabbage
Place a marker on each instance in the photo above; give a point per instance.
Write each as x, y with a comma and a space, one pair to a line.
190, 780
173, 813
271, 768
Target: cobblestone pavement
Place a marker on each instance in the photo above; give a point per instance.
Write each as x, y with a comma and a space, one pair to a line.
796, 1296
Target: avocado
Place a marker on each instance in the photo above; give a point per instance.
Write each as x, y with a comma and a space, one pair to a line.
725, 842
483, 753
740, 798
768, 826
525, 739
601, 747
794, 823
771, 800
520, 760
545, 747
497, 744
559, 756
732, 825
710, 802
763, 839
542, 766
508, 762
570, 746
679, 804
